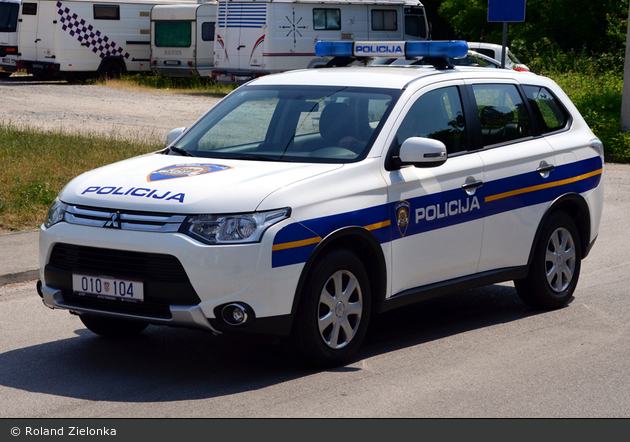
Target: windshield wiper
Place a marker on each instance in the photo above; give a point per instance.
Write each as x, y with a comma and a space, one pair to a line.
180, 151
251, 157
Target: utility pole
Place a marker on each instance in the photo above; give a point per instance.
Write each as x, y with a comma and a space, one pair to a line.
625, 97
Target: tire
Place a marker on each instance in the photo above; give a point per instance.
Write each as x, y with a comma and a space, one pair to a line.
555, 267
44, 76
334, 311
111, 69
112, 327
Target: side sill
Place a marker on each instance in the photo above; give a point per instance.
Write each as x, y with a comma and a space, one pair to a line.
423, 293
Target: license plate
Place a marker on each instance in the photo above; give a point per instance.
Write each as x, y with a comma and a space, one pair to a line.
8, 61
108, 288
38, 66
172, 62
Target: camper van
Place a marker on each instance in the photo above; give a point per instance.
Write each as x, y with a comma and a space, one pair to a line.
65, 38
8, 36
254, 38
182, 39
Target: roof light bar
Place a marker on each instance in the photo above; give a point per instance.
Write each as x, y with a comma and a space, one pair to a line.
392, 49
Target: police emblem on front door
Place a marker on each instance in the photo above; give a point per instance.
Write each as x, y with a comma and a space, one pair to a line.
402, 210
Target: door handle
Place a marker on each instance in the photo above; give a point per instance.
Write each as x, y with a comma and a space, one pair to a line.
545, 169
37, 39
472, 185
239, 48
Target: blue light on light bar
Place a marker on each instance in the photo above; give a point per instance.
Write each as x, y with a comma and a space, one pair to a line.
449, 49
333, 48
392, 49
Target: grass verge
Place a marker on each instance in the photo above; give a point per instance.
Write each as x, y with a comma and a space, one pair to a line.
36, 164
153, 83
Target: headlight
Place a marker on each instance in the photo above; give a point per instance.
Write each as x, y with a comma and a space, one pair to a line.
232, 229
56, 213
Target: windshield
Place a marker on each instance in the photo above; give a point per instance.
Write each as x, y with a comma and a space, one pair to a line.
8, 17
292, 123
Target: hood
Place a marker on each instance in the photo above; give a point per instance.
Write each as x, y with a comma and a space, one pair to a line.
172, 184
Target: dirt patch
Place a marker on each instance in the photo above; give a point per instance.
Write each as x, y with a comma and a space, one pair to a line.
98, 109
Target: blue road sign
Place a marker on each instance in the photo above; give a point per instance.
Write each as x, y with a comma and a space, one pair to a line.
506, 10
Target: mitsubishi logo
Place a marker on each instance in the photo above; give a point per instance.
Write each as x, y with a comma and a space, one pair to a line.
113, 221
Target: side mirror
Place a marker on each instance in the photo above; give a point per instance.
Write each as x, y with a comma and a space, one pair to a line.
422, 152
174, 134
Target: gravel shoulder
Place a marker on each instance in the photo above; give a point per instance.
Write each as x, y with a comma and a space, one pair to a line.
98, 109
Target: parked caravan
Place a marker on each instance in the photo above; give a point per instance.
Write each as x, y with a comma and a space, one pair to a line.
255, 38
8, 36
182, 39
76, 37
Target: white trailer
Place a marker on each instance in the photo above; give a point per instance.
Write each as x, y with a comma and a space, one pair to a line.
182, 39
259, 37
77, 37
8, 36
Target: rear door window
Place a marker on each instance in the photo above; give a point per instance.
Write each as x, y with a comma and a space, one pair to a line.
503, 116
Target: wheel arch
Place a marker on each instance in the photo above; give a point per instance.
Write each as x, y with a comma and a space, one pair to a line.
113, 59
577, 208
362, 243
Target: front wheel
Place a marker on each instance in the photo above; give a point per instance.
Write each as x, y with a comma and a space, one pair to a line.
334, 311
112, 327
555, 267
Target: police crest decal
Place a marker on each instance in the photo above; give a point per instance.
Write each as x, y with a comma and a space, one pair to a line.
184, 170
402, 211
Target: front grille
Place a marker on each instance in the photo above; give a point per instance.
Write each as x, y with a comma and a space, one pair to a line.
165, 280
119, 263
126, 220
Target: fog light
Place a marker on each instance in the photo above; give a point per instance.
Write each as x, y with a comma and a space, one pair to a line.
234, 314
238, 315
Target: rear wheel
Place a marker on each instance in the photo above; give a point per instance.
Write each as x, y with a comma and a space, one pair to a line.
555, 267
111, 69
334, 311
112, 327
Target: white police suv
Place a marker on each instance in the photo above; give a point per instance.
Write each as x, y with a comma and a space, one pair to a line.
306, 201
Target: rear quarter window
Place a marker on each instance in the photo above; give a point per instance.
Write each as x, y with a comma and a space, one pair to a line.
548, 112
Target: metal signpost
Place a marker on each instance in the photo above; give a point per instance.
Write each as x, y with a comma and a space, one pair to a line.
506, 11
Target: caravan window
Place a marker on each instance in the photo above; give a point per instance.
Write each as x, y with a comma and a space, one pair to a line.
327, 19
207, 31
29, 8
415, 22
106, 12
174, 34
8, 17
384, 20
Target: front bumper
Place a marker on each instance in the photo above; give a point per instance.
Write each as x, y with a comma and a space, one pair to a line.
180, 316
187, 284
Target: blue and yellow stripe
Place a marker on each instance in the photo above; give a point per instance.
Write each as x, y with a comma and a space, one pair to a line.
294, 243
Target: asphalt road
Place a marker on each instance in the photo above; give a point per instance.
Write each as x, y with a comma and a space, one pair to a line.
478, 353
